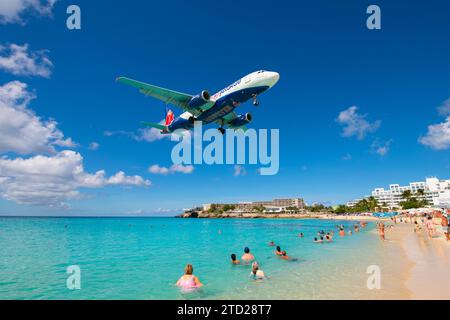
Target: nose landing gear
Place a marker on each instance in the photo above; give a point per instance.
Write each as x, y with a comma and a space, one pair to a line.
255, 100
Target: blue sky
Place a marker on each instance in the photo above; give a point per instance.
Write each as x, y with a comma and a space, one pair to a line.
397, 77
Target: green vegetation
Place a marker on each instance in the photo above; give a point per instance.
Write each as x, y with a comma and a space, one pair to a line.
293, 209
259, 208
318, 207
414, 200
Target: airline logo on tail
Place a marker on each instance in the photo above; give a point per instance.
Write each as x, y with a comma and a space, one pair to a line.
169, 118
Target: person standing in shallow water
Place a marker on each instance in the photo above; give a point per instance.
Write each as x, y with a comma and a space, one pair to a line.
247, 256
256, 272
381, 230
188, 281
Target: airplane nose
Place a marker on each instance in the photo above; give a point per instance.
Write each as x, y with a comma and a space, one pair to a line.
274, 77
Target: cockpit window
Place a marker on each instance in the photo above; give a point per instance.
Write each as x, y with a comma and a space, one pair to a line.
261, 71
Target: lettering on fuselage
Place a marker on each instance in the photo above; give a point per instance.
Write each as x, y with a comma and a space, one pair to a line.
221, 92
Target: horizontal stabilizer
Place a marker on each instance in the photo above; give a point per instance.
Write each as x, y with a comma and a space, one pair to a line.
155, 125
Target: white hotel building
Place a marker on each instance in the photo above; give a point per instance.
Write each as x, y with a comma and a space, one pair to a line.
437, 192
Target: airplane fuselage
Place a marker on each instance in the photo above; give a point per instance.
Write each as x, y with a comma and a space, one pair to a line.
227, 99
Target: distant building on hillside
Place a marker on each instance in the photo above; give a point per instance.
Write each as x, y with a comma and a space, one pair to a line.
436, 191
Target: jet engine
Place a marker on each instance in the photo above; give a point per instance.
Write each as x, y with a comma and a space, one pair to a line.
241, 120
199, 100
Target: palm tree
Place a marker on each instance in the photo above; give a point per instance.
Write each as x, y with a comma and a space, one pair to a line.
372, 203
406, 194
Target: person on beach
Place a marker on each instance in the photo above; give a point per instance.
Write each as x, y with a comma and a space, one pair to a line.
234, 260
381, 230
278, 251
416, 227
430, 226
447, 235
256, 273
188, 281
247, 256
444, 224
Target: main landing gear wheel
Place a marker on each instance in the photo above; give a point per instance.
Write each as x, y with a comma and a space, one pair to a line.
255, 100
222, 130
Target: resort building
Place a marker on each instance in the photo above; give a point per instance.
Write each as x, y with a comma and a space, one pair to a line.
276, 205
436, 191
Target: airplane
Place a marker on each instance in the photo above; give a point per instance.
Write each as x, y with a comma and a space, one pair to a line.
218, 108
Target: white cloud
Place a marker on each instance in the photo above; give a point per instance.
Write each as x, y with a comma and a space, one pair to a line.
444, 108
12, 11
21, 130
176, 168
149, 134
355, 124
54, 180
381, 148
239, 171
347, 157
94, 146
438, 136
19, 61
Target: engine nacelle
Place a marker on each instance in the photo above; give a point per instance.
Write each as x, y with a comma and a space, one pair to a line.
242, 120
199, 100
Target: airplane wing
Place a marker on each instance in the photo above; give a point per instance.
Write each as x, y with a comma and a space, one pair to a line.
227, 120
168, 96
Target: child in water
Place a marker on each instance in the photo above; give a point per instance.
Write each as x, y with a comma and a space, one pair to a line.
234, 260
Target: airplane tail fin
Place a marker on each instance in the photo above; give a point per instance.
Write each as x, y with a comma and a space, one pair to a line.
169, 117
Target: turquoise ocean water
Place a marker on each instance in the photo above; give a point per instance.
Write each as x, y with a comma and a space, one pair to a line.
142, 258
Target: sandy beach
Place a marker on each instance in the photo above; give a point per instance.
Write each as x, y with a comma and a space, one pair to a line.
425, 275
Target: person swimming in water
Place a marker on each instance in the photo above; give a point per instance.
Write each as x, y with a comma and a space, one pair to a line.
256, 273
247, 256
328, 237
301, 235
284, 256
342, 232
271, 244
189, 282
278, 251
234, 260
317, 240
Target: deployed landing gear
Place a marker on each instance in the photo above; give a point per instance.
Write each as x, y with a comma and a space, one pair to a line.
255, 100
222, 130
